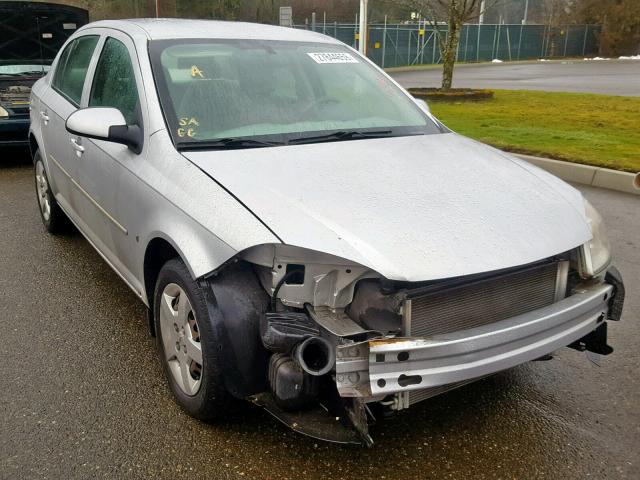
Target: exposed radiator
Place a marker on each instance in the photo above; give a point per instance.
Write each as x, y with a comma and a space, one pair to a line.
474, 304
452, 308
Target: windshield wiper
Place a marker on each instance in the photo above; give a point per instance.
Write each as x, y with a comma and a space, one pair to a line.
342, 135
226, 143
239, 142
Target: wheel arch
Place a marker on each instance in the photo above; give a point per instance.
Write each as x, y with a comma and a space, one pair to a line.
200, 258
34, 146
159, 250
235, 300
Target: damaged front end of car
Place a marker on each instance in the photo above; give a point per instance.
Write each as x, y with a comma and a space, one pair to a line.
343, 346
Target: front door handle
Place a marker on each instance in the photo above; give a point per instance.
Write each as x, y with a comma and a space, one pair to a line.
77, 147
44, 116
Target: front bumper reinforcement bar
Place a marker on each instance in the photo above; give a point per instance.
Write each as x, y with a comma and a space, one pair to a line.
383, 366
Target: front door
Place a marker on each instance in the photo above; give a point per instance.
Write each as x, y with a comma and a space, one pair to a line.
102, 164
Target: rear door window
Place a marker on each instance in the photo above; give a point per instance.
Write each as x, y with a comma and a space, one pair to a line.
114, 83
72, 68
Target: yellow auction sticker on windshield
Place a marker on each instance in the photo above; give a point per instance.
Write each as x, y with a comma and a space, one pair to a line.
333, 57
196, 72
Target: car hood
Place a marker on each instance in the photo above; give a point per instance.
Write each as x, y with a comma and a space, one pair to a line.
411, 208
15, 90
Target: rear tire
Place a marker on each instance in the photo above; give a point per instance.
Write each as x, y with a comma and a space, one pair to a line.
186, 344
53, 218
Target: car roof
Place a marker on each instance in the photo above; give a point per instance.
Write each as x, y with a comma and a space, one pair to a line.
170, 28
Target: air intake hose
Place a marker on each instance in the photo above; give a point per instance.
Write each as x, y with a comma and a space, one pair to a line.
315, 356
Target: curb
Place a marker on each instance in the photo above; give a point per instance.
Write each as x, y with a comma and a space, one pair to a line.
587, 175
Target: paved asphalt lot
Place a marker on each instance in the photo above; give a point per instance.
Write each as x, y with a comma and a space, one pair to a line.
613, 77
82, 394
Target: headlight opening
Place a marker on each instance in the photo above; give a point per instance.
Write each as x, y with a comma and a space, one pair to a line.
595, 255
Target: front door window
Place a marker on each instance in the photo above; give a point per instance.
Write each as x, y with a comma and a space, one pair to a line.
114, 83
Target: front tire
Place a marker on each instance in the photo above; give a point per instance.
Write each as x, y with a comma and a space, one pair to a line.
53, 218
186, 344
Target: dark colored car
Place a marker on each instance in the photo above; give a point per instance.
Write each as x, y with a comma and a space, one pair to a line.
30, 36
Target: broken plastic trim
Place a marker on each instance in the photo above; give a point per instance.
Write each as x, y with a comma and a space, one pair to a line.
315, 422
595, 341
616, 302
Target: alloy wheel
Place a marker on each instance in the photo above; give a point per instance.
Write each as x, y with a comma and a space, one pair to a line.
42, 189
181, 339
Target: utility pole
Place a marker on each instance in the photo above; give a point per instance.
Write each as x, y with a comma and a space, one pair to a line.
526, 12
481, 17
362, 42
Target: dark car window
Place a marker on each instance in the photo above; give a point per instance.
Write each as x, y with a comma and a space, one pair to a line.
114, 83
72, 67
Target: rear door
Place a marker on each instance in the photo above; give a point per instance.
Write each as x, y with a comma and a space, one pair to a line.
56, 104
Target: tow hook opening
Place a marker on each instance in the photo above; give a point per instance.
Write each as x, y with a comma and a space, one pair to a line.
406, 380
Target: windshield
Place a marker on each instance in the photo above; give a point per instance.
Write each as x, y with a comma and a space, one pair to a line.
247, 93
24, 69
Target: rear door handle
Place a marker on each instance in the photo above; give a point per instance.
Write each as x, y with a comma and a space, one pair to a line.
77, 147
44, 116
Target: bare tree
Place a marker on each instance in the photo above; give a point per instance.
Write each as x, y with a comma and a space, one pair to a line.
454, 13
620, 20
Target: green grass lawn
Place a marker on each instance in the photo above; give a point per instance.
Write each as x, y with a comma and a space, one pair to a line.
600, 130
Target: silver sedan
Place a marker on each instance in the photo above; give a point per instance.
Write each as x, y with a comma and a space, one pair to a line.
305, 234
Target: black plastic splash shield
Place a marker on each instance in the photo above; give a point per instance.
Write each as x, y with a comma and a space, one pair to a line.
315, 422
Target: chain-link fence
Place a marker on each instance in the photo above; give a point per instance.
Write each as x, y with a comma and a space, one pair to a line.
402, 45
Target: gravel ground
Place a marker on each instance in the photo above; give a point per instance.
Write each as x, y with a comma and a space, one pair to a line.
82, 393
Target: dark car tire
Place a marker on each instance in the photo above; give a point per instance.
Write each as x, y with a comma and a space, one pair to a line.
54, 219
211, 400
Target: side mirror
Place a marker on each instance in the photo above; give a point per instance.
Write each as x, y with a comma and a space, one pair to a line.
422, 104
105, 123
